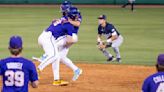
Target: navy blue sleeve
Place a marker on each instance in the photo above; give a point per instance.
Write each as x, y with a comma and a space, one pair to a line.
111, 28
69, 28
33, 76
99, 30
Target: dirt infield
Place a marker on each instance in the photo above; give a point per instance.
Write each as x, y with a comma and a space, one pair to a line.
97, 78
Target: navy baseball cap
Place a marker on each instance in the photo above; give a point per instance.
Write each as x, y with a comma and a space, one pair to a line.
160, 59
15, 42
102, 17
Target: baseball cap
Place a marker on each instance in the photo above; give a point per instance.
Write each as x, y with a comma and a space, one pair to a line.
15, 42
160, 59
102, 17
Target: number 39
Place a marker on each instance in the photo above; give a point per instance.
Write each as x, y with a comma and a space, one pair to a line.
14, 78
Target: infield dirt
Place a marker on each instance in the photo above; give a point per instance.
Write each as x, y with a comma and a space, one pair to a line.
97, 78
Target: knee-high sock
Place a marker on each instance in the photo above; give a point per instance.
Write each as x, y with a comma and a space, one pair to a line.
116, 50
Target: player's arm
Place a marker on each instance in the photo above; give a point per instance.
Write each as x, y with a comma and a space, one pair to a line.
35, 84
145, 85
33, 76
69, 41
99, 38
69, 29
113, 37
74, 22
99, 35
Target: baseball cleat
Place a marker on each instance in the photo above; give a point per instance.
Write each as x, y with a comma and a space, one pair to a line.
60, 83
77, 73
111, 59
119, 60
42, 58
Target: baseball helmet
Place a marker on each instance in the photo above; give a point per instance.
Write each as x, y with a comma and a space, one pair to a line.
65, 6
73, 12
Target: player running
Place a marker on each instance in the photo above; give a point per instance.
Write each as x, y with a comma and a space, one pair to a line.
155, 82
16, 70
114, 39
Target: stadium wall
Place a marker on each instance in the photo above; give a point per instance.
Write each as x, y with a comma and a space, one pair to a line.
80, 1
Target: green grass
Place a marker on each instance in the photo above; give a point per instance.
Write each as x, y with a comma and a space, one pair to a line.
143, 32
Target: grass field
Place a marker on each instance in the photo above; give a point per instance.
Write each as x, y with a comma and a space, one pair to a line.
143, 32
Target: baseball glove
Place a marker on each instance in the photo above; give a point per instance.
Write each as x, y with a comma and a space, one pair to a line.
103, 45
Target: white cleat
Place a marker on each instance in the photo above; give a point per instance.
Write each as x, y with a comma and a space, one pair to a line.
77, 73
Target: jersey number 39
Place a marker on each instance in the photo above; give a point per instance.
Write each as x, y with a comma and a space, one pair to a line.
160, 87
14, 78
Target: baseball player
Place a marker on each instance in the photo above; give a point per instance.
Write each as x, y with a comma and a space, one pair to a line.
73, 12
114, 39
75, 21
155, 82
52, 38
16, 70
131, 2
59, 34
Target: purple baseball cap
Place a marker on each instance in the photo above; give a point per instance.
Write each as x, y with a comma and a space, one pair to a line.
160, 60
15, 42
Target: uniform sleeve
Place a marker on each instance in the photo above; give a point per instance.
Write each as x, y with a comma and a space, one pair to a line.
99, 30
145, 86
112, 28
69, 29
33, 73
0, 67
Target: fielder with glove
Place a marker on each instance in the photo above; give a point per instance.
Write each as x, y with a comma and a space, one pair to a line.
113, 39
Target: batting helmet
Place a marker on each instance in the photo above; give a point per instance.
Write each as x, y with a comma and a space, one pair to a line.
73, 12
65, 6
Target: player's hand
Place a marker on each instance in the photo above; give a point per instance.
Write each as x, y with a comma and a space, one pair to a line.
108, 44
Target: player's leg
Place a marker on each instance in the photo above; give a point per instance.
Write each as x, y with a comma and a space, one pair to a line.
45, 41
125, 5
55, 65
107, 54
132, 6
115, 46
53, 45
51, 50
65, 60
